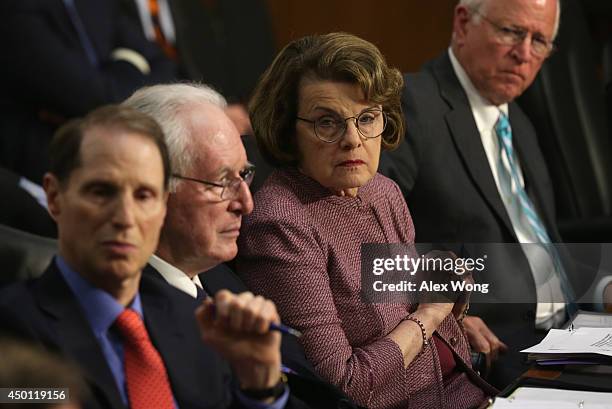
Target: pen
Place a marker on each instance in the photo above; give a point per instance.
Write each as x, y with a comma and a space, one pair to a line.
285, 329
282, 328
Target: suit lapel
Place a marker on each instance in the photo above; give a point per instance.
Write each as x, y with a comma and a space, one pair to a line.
221, 277
62, 23
466, 137
168, 333
73, 334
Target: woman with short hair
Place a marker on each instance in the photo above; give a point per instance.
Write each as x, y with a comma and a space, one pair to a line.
321, 114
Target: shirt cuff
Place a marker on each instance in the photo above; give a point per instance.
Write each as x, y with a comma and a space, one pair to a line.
255, 404
132, 57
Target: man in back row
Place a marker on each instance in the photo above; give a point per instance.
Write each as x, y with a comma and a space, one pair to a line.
472, 171
134, 336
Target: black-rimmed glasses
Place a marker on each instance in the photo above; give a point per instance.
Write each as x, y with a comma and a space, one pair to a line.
540, 46
230, 187
330, 128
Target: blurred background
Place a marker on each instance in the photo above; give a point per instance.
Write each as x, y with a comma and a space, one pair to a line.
66, 57
408, 32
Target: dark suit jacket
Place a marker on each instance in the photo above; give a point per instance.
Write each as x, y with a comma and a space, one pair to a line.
443, 171
44, 310
46, 77
20, 210
225, 43
222, 277
304, 383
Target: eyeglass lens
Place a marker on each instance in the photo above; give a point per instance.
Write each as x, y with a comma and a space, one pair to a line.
370, 124
231, 190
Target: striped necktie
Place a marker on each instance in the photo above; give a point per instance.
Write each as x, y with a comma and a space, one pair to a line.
509, 178
160, 38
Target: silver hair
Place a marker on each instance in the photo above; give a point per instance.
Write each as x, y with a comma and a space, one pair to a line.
167, 104
477, 5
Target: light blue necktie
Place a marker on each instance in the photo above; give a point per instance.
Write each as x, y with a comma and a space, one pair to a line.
507, 179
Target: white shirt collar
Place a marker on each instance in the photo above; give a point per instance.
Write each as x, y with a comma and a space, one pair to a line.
176, 277
485, 113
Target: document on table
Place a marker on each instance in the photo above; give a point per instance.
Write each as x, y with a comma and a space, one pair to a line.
585, 340
592, 319
542, 398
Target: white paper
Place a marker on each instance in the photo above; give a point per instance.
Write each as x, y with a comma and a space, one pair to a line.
592, 319
542, 398
582, 340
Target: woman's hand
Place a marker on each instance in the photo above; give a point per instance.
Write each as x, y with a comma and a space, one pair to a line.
448, 298
433, 309
408, 334
436, 311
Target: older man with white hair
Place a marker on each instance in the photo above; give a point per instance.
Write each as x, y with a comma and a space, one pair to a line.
209, 195
471, 171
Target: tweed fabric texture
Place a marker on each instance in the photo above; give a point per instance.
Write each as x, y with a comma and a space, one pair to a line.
301, 248
147, 381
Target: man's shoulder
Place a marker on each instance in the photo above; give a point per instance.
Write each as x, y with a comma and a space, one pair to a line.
13, 291
220, 277
154, 286
427, 77
29, 308
419, 81
24, 292
18, 307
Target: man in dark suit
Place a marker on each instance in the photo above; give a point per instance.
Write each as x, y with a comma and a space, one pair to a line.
134, 336
203, 220
227, 44
209, 195
465, 183
22, 205
65, 58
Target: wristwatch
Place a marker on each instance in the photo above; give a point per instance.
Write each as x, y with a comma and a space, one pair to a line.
274, 392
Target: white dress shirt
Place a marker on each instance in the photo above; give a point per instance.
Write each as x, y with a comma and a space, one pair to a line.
165, 20
548, 286
176, 277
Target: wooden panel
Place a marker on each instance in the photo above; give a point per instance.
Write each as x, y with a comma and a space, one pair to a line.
408, 32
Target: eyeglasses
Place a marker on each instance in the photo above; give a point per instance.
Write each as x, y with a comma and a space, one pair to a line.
540, 46
230, 188
330, 128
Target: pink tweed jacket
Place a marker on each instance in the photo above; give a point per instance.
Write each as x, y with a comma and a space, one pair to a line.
301, 248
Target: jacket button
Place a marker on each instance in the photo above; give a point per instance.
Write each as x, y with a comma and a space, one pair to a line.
453, 341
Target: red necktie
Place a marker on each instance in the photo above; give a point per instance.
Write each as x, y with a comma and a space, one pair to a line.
148, 386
